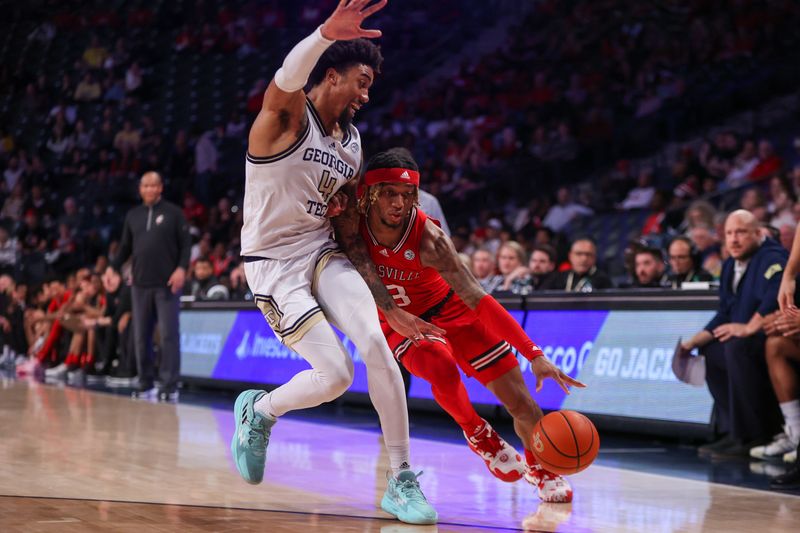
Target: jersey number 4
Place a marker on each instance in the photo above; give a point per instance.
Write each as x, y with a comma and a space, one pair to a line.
400, 296
327, 184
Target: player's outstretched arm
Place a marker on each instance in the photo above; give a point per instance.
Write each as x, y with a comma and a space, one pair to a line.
347, 235
437, 251
282, 118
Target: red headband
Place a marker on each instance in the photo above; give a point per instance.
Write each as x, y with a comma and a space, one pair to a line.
391, 175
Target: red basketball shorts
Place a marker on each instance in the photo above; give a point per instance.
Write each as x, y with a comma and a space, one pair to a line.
480, 354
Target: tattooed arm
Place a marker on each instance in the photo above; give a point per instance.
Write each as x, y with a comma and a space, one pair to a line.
347, 235
437, 251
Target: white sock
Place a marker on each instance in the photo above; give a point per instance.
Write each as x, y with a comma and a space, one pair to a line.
264, 406
791, 414
398, 457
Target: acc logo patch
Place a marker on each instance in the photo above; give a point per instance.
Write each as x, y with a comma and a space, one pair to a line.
408, 254
538, 445
354, 147
771, 271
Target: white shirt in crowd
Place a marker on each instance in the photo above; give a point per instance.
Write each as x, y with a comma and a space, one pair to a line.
560, 215
638, 198
430, 205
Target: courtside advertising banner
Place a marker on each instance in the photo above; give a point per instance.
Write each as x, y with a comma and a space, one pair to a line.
624, 358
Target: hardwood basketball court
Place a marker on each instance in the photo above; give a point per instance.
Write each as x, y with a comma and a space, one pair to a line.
77, 460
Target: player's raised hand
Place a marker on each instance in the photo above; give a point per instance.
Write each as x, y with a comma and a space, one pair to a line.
410, 326
543, 368
345, 23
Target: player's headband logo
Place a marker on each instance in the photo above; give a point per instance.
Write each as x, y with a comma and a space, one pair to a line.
391, 175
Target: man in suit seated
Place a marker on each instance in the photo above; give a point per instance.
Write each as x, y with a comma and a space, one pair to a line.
745, 408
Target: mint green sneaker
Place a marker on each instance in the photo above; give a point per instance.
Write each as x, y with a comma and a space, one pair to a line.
251, 436
404, 499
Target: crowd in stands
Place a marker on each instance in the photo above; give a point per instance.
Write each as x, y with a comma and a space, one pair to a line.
493, 141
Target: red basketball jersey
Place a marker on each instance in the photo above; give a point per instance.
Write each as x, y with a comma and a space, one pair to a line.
414, 287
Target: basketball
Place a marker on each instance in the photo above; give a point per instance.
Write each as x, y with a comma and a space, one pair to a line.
565, 442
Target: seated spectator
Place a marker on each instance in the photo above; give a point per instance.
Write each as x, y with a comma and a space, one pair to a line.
133, 79
203, 284
9, 251
640, 196
565, 211
511, 263
13, 173
745, 409
12, 207
59, 142
236, 126
654, 223
115, 343
649, 269
220, 259
95, 54
12, 320
753, 200
768, 162
239, 287
743, 165
484, 270
127, 140
707, 244
89, 89
684, 263
584, 275
783, 208
541, 266
699, 213
786, 235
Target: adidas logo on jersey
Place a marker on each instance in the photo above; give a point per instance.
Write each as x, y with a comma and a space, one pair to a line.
384, 252
405, 175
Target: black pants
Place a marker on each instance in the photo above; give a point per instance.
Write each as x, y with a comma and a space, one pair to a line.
150, 303
744, 401
112, 344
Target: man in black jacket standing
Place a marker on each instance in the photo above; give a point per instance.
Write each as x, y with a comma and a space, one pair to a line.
156, 235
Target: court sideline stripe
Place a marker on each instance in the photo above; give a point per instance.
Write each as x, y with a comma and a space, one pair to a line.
303, 513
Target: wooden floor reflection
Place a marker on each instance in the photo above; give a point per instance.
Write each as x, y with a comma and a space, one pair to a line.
74, 460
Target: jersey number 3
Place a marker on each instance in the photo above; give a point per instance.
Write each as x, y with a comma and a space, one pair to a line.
327, 184
400, 296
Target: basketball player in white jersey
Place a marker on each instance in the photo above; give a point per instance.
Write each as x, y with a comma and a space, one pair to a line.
302, 150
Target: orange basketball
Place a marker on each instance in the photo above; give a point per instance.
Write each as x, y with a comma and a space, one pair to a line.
565, 442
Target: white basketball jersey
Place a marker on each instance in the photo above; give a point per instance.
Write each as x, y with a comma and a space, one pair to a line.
286, 195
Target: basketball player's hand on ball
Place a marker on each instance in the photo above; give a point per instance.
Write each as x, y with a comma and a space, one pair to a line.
543, 368
336, 205
410, 326
345, 23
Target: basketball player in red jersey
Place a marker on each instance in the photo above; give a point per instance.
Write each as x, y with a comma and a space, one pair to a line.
419, 266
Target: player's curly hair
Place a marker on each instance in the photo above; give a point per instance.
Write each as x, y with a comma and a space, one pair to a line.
342, 55
391, 158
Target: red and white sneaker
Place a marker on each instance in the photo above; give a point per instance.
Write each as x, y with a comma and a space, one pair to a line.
502, 460
552, 487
